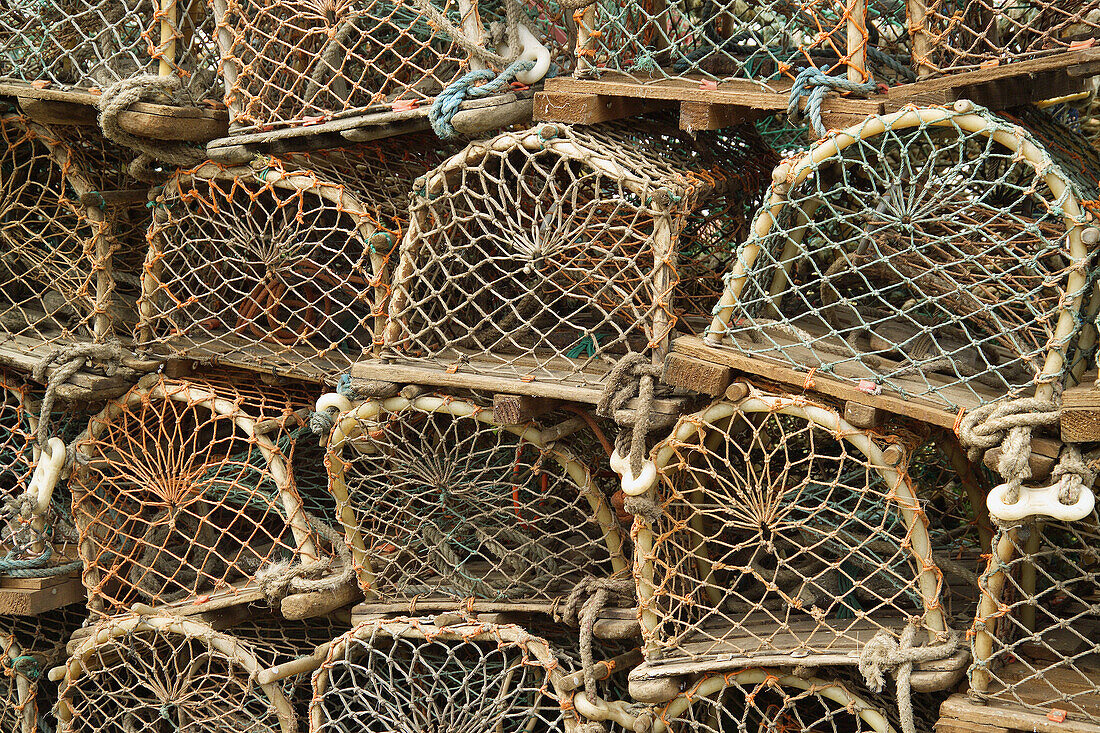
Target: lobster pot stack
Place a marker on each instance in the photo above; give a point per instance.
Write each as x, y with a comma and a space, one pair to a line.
548, 254
444, 508
184, 492
407, 674
140, 672
71, 259
283, 265
94, 43
29, 646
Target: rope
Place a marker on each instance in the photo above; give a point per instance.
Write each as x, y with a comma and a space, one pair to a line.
582, 608
633, 374
279, 580
121, 95
35, 567
514, 15
448, 101
884, 654
1072, 474
814, 84
1009, 425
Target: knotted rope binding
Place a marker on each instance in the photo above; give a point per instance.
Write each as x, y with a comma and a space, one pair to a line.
448, 101
279, 580
1008, 425
814, 84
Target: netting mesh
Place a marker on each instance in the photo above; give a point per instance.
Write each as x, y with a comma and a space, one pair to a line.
290, 62
734, 39
67, 269
781, 528
282, 265
963, 36
547, 254
441, 504
764, 699
1036, 642
94, 43
186, 492
934, 258
153, 673
410, 675
29, 646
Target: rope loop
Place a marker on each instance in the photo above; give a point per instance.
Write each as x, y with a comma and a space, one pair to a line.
634, 374
582, 608
815, 84
448, 101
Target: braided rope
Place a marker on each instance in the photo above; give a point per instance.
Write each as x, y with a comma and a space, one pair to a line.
583, 607
814, 84
448, 101
69, 361
1008, 425
634, 374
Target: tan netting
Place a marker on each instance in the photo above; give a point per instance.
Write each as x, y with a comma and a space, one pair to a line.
69, 263
931, 253
782, 528
294, 63
281, 265
408, 675
963, 36
549, 253
94, 43
1036, 639
440, 505
735, 39
773, 700
152, 673
182, 491
29, 646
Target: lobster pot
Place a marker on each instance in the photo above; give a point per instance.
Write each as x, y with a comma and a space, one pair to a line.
283, 267
183, 491
290, 64
70, 261
137, 673
440, 504
782, 528
407, 674
758, 699
29, 645
981, 33
547, 254
734, 39
933, 253
95, 43
1036, 635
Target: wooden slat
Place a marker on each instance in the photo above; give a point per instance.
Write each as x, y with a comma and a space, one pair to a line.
705, 116
16, 599
697, 375
1080, 418
589, 109
994, 713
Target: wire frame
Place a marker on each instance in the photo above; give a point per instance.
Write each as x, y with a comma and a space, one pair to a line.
957, 37
440, 505
1035, 638
930, 253
781, 528
29, 646
68, 270
182, 492
407, 674
94, 43
547, 254
734, 39
759, 699
138, 673
282, 265
289, 63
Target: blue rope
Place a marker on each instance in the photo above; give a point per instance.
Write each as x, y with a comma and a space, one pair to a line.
448, 101
814, 84
34, 567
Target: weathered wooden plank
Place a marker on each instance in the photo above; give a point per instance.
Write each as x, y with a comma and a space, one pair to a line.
29, 601
697, 375
515, 409
589, 109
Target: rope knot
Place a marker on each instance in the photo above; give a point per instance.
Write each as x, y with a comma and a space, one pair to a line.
582, 608
448, 101
814, 84
634, 374
1008, 425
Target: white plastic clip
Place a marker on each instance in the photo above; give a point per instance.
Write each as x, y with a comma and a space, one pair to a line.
46, 475
634, 485
530, 50
1038, 501
334, 400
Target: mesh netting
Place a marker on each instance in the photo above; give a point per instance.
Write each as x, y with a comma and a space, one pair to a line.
290, 62
185, 492
441, 504
963, 36
67, 269
762, 699
1037, 635
409, 675
154, 673
549, 253
734, 39
29, 646
932, 253
93, 43
282, 265
782, 528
